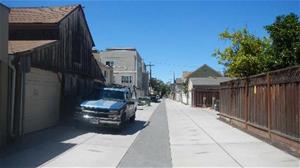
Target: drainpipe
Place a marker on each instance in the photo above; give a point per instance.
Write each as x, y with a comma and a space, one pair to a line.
22, 105
12, 67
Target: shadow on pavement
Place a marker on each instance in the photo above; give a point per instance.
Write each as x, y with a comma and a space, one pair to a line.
128, 129
35, 149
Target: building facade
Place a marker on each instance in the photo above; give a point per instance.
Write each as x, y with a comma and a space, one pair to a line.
145, 80
4, 11
203, 86
128, 66
107, 71
204, 91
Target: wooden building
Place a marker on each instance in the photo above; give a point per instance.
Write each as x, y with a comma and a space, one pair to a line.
3, 73
205, 91
51, 48
203, 86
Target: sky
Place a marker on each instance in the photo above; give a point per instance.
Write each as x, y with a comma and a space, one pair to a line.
175, 36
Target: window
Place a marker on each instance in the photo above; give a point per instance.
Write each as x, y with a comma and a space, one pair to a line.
105, 74
110, 63
126, 79
107, 94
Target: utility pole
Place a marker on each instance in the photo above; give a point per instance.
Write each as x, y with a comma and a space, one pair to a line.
174, 80
150, 67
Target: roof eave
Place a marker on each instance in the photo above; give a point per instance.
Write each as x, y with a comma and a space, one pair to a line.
31, 50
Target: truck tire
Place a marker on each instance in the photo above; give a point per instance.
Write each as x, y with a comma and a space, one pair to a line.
132, 118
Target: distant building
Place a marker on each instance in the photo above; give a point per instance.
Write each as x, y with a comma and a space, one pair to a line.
204, 92
107, 70
146, 80
129, 68
204, 71
185, 75
203, 86
178, 89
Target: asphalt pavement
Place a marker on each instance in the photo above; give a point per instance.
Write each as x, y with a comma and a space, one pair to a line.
151, 147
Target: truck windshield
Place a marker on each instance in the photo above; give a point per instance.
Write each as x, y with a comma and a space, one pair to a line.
112, 94
107, 94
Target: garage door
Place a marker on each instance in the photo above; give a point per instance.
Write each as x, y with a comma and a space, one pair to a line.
42, 99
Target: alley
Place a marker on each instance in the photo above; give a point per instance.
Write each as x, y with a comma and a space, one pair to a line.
67, 146
164, 135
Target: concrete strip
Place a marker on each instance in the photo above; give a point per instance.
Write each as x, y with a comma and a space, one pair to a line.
230, 143
190, 146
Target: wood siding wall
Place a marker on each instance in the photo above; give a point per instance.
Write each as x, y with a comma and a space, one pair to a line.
73, 54
269, 102
33, 32
208, 92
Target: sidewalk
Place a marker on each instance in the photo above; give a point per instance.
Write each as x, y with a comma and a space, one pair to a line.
198, 138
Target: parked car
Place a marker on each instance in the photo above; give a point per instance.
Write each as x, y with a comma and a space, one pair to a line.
154, 98
108, 106
144, 101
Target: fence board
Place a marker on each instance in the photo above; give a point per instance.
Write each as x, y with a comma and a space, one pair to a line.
271, 101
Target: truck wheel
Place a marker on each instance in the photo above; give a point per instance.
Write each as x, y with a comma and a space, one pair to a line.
123, 120
119, 128
132, 118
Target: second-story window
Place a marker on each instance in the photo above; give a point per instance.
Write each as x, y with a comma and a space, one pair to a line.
126, 79
109, 63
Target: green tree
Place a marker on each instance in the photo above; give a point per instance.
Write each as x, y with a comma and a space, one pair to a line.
246, 55
285, 36
185, 86
159, 86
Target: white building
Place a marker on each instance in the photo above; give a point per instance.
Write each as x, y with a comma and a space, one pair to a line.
129, 68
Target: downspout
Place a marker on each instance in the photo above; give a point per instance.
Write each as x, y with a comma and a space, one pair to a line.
12, 67
21, 126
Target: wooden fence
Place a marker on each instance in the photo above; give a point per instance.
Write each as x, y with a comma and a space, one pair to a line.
266, 104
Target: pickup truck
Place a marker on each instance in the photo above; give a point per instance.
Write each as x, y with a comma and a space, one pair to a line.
109, 107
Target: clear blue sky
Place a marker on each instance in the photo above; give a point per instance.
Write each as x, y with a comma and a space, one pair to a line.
173, 35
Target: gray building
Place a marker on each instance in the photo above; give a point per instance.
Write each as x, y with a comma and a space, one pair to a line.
107, 70
145, 80
4, 11
129, 68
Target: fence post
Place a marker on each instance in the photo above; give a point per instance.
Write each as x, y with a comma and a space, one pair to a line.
246, 103
269, 104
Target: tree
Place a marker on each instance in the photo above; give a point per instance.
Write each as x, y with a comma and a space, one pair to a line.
185, 86
285, 36
159, 86
247, 55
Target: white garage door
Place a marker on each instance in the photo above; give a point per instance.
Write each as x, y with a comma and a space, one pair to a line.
42, 99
